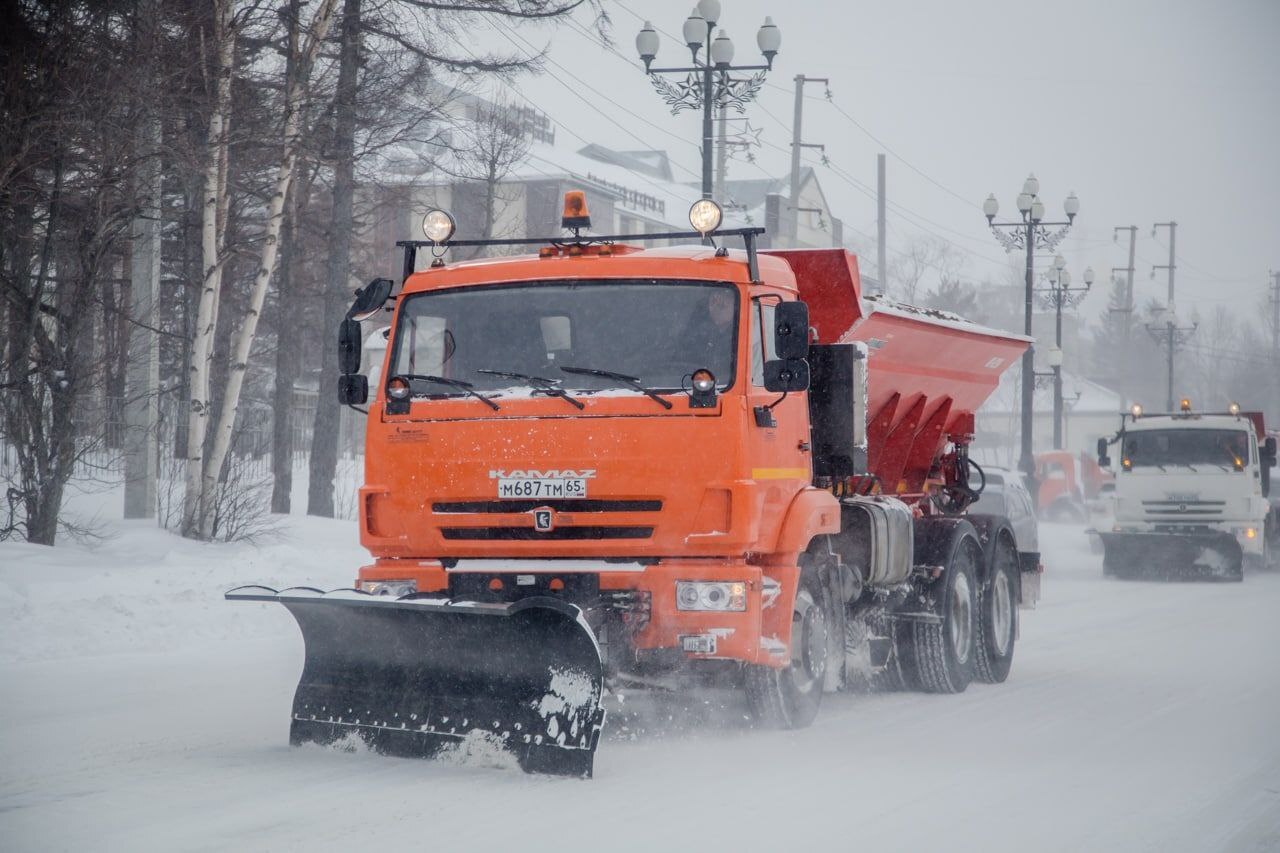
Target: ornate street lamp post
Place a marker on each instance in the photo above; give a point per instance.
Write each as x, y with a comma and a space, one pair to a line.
1031, 233
1058, 295
708, 82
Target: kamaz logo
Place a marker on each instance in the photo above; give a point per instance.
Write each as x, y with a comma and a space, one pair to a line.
533, 474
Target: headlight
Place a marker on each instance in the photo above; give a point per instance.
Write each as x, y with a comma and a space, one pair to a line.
704, 595
391, 589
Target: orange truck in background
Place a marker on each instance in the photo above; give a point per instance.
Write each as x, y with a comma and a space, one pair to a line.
604, 464
1067, 482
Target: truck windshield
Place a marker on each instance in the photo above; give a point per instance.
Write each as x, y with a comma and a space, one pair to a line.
659, 332
1226, 448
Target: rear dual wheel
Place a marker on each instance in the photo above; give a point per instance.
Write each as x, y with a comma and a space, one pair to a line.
944, 653
998, 615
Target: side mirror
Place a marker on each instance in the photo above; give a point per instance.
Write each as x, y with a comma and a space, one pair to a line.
353, 389
1104, 461
370, 298
1268, 459
791, 331
349, 343
786, 375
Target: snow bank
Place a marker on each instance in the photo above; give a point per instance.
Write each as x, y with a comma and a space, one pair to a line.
147, 590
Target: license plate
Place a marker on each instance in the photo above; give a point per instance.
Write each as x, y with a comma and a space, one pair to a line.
699, 644
517, 488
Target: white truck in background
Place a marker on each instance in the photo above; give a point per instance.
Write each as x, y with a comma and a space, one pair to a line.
1190, 494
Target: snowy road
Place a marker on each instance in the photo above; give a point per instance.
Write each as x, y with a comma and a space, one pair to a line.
1139, 716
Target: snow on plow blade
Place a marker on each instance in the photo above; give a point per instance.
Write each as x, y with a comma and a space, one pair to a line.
419, 674
1210, 554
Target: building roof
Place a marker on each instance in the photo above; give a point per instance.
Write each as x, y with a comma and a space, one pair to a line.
1094, 399
655, 164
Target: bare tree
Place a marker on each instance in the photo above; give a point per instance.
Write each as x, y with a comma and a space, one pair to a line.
922, 258
492, 144
66, 162
425, 30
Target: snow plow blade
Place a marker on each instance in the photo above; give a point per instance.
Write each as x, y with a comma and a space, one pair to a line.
1207, 555
420, 674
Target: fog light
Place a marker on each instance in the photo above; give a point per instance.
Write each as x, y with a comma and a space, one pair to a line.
398, 388
1251, 533
703, 392
390, 589
705, 595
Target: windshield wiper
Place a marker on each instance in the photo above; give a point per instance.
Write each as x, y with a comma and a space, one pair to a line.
465, 387
633, 381
539, 384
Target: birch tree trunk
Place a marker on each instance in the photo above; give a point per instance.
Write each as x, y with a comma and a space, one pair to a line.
212, 468
212, 229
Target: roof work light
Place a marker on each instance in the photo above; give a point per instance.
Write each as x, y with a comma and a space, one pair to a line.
705, 216
438, 226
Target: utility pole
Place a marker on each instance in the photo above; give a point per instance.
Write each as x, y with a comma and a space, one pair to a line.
1173, 234
1127, 310
1275, 339
721, 155
797, 120
881, 268
1166, 332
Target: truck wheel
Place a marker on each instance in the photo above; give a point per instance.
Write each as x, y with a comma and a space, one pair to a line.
789, 698
944, 654
998, 615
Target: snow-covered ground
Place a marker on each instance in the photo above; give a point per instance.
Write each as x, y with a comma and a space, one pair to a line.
139, 711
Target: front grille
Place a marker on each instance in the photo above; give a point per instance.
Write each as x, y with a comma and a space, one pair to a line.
1184, 510
560, 533
557, 505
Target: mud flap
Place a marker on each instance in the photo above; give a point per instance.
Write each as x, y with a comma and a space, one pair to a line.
421, 674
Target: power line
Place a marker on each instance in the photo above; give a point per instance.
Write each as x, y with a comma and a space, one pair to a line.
510, 35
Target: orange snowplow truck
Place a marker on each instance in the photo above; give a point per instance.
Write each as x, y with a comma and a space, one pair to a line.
602, 464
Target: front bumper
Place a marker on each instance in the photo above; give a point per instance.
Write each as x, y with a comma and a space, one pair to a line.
1236, 531
636, 602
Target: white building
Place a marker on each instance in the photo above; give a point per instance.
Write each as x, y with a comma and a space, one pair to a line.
1089, 412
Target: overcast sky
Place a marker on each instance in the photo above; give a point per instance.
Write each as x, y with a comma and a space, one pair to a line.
1149, 111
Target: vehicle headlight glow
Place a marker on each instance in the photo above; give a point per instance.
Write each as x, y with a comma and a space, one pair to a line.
390, 589
711, 595
398, 388
704, 381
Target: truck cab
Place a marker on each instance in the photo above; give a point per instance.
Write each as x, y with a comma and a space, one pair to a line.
1190, 492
